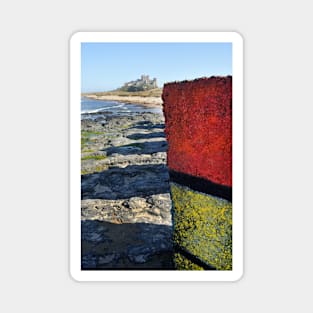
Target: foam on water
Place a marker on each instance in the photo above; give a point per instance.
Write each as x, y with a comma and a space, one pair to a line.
91, 106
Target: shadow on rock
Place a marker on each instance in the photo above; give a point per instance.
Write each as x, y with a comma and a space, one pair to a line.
148, 147
147, 136
131, 181
126, 246
148, 125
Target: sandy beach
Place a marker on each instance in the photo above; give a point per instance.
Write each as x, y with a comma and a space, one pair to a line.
146, 101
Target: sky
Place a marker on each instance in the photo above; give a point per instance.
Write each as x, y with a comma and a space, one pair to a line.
107, 66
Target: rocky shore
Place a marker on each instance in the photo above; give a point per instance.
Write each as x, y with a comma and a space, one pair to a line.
125, 207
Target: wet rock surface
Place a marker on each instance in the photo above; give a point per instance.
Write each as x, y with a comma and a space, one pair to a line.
125, 206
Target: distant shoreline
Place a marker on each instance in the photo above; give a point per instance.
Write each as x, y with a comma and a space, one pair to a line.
149, 98
145, 101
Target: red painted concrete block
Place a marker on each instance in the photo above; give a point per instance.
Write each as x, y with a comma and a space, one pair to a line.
198, 127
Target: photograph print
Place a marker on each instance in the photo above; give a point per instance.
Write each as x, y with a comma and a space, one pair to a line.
154, 118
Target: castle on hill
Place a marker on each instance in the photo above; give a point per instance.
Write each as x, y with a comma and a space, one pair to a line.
141, 84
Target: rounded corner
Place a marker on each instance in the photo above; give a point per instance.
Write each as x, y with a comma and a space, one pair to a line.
74, 275
238, 276
75, 36
238, 36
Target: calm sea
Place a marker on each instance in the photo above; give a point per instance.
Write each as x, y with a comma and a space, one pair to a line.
112, 107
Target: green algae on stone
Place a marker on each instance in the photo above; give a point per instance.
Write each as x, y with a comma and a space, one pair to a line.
93, 170
94, 157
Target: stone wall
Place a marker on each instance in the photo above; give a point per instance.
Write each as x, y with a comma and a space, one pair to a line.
198, 126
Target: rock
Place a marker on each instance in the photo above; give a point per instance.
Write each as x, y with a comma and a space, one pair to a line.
136, 203
89, 261
120, 183
126, 205
105, 259
155, 211
139, 254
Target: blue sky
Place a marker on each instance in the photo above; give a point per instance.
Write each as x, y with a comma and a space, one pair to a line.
107, 66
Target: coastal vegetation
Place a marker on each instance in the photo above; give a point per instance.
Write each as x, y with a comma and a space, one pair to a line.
142, 87
156, 92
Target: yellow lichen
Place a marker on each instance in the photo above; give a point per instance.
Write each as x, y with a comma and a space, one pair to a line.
203, 226
185, 264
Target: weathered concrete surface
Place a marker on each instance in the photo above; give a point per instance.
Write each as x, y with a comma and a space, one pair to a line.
125, 206
198, 117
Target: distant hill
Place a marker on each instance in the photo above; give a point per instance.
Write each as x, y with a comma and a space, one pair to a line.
156, 92
142, 84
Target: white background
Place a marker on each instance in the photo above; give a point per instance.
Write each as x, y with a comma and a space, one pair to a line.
34, 80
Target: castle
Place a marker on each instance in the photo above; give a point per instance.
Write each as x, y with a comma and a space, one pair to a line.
143, 83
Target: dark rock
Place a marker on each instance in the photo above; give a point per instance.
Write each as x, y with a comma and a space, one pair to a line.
126, 206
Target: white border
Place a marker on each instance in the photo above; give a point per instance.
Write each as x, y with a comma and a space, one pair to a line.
237, 200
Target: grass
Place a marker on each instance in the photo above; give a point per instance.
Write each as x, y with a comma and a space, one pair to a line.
157, 92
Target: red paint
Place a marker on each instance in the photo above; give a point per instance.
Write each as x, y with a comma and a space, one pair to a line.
198, 127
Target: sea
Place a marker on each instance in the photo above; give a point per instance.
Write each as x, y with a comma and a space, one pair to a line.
91, 108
